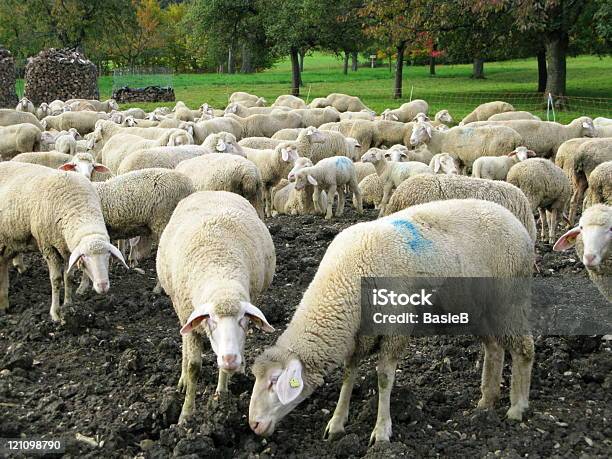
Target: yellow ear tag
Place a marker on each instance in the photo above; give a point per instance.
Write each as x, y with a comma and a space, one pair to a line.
294, 383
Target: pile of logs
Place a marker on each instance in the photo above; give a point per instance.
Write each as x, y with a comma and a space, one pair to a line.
60, 74
8, 97
148, 94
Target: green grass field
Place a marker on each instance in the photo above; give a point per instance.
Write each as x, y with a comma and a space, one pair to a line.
589, 78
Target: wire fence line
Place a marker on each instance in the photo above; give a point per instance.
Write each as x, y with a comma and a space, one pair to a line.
142, 77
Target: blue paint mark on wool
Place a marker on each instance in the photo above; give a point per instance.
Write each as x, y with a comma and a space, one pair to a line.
411, 235
342, 162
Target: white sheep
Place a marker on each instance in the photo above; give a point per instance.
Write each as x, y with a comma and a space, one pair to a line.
105, 129
362, 170
360, 115
266, 125
243, 111
304, 143
9, 117
406, 112
67, 143
160, 157
333, 144
25, 105
223, 142
485, 111
601, 121
427, 240
600, 186
274, 165
519, 115
223, 172
497, 167
467, 143
343, 103
82, 163
59, 214
426, 188
287, 200
107, 106
43, 110
546, 187
215, 259
545, 137
317, 116
287, 100
84, 122
19, 138
592, 238
330, 175
246, 99
443, 117
56, 107
203, 129
392, 173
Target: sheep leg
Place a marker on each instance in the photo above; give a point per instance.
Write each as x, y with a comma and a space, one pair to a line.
552, 224
522, 351
182, 380
386, 376
316, 200
192, 347
335, 426
580, 185
267, 202
385, 199
68, 287
19, 263
491, 373
4, 284
222, 382
341, 198
54, 262
357, 199
542, 223
331, 193
84, 285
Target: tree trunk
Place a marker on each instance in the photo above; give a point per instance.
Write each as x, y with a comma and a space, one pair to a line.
346, 63
542, 71
230, 61
354, 61
302, 55
432, 60
478, 68
247, 59
399, 70
295, 71
556, 51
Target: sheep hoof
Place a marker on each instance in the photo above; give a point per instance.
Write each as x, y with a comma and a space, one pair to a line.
334, 430
484, 404
181, 385
381, 433
515, 413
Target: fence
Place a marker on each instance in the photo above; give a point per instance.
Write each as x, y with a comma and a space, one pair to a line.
142, 77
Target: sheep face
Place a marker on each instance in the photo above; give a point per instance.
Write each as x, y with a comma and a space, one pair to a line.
421, 118
180, 138
421, 133
300, 163
112, 104
314, 135
302, 177
227, 331
396, 155
278, 389
92, 257
373, 155
444, 117
588, 128
117, 117
444, 163
84, 164
522, 153
387, 115
595, 226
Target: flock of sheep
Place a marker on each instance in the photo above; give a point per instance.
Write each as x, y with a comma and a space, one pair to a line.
198, 183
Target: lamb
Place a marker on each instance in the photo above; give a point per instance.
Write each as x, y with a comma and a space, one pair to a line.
391, 173
443, 163
140, 204
600, 186
223, 142
344, 103
120, 146
18, 138
467, 143
222, 172
334, 144
25, 105
84, 122
406, 112
248, 100
231, 261
427, 240
43, 110
182, 112
287, 100
83, 163
588, 156
136, 113
421, 154
160, 157
287, 200
273, 164
330, 175
361, 130
107, 106
506, 116
371, 188
266, 125
67, 143
9, 117
362, 170
68, 233
485, 111
545, 137
566, 152
443, 117
306, 141
497, 167
546, 187
426, 188
592, 238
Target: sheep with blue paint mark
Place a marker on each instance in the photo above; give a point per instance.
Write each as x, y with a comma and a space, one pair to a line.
330, 175
455, 238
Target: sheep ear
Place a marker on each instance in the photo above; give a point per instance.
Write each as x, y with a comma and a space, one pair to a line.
221, 146
531, 153
290, 384
436, 165
312, 180
115, 252
200, 313
256, 316
512, 153
74, 257
67, 167
101, 168
567, 240
428, 129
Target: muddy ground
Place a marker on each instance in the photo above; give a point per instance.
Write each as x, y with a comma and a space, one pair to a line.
110, 374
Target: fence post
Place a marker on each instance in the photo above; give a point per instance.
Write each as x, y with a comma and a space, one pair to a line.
411, 89
308, 95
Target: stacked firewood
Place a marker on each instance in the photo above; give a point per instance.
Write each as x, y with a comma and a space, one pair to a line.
148, 94
8, 97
